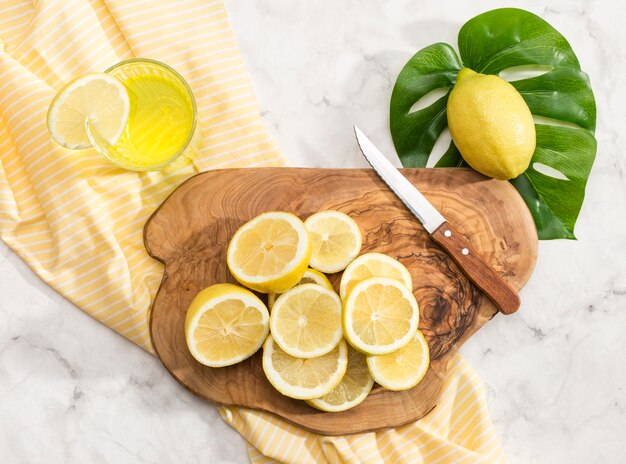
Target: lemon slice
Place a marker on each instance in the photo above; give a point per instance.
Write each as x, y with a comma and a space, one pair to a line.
335, 240
353, 388
402, 369
98, 98
304, 379
306, 321
311, 276
380, 315
225, 324
373, 265
270, 253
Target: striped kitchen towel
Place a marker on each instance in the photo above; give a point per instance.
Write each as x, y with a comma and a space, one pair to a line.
77, 220
71, 215
459, 430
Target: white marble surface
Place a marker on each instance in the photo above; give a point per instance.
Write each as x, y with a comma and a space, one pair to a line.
73, 391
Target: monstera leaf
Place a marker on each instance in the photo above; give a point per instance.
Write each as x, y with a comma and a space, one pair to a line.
553, 186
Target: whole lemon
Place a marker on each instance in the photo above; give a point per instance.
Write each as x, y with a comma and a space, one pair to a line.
491, 125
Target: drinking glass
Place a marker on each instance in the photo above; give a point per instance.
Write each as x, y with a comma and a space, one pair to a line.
162, 120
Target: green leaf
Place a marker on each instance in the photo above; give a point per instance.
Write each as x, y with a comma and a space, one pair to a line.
554, 202
563, 94
490, 43
510, 37
415, 133
451, 158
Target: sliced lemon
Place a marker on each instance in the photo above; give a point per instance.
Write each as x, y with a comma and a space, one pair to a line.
373, 265
98, 98
225, 324
270, 253
380, 315
353, 388
311, 276
306, 321
335, 240
402, 369
304, 379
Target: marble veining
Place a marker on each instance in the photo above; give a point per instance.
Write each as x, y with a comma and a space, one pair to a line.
74, 391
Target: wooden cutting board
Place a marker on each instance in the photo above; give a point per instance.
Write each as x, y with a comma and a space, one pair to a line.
190, 231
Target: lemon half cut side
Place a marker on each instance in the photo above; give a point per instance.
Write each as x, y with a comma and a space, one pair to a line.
225, 324
380, 315
311, 276
373, 265
306, 321
269, 253
304, 379
353, 388
402, 369
335, 240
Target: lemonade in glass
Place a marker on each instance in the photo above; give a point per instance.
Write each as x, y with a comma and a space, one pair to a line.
140, 114
162, 119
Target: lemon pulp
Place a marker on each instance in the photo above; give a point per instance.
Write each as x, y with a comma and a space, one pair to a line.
404, 368
269, 253
380, 315
225, 324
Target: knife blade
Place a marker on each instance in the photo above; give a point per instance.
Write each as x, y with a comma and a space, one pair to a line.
442, 232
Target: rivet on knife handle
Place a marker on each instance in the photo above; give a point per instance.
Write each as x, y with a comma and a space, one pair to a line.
476, 269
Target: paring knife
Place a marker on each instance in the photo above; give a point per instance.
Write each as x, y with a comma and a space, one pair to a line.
442, 232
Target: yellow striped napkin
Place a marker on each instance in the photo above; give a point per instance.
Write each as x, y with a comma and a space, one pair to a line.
77, 220
71, 215
458, 430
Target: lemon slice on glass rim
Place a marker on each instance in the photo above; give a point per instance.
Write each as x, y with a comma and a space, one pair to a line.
97, 98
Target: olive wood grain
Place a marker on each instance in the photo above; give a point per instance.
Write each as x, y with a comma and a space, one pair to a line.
476, 269
190, 231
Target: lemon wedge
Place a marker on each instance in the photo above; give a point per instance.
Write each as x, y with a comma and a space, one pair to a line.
380, 315
373, 265
311, 276
402, 369
270, 253
353, 388
335, 240
306, 321
304, 378
98, 98
225, 324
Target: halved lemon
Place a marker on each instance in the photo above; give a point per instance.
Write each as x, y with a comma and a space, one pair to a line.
225, 324
353, 388
270, 253
98, 98
402, 369
304, 379
373, 265
335, 240
380, 315
306, 321
311, 276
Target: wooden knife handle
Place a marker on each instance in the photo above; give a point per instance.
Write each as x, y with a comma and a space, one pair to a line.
476, 269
